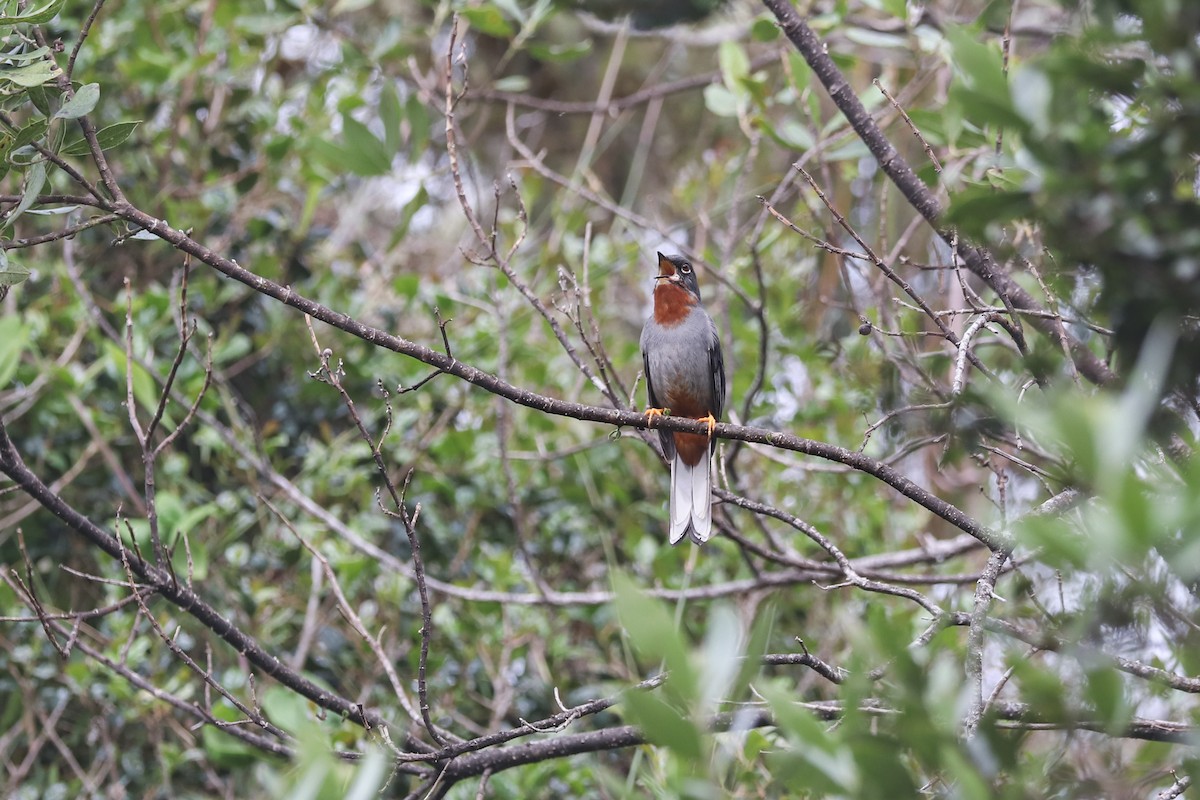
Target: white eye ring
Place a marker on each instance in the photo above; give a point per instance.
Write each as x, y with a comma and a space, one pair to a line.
686, 269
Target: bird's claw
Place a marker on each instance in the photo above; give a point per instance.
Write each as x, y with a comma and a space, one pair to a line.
651, 413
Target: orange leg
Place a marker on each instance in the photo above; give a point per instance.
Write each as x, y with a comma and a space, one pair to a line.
711, 422
656, 412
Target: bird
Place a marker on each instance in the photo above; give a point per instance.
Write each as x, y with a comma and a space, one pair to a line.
685, 377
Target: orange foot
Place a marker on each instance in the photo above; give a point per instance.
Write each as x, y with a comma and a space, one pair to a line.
651, 413
710, 422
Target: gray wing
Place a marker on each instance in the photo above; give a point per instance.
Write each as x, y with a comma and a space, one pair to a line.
665, 437
716, 363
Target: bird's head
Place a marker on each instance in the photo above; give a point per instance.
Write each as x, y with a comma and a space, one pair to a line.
678, 271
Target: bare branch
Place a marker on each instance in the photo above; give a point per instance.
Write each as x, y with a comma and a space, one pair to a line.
978, 260
984, 593
333, 377
182, 596
491, 383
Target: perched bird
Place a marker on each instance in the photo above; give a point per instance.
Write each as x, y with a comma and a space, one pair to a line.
685, 377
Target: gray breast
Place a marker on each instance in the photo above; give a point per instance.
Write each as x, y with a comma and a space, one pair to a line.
678, 361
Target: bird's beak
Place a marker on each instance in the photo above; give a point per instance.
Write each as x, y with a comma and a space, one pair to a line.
668, 269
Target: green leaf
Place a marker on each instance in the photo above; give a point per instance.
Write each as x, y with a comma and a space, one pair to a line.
968, 783
145, 391
391, 115
287, 709
56, 211
82, 103
369, 776
1059, 548
13, 337
107, 138
1042, 688
512, 83
1106, 693
1033, 98
41, 97
722, 652
983, 109
720, 100
654, 637
11, 274
870, 38
983, 86
33, 132
487, 20
1005, 179
35, 179
184, 521
756, 647
812, 743
31, 74
347, 6
764, 29
366, 155
418, 124
850, 151
790, 133
664, 725
420, 200
995, 15
227, 752
977, 207
37, 16
407, 285
27, 56
979, 65
514, 10
735, 64
801, 75
800, 724
560, 53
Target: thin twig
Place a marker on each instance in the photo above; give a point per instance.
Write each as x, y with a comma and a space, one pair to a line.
984, 594
83, 35
937, 165
978, 260
333, 377
12, 465
65, 233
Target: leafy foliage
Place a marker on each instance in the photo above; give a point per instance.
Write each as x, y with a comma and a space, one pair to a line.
441, 591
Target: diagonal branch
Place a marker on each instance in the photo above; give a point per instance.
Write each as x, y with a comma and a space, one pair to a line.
164, 583
1009, 715
977, 259
610, 416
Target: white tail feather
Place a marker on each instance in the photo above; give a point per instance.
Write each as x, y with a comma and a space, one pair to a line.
681, 499
691, 500
701, 500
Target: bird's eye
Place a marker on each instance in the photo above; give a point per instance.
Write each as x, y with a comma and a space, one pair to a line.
686, 269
